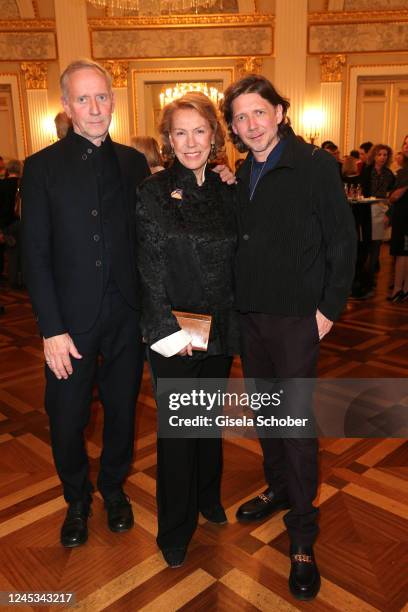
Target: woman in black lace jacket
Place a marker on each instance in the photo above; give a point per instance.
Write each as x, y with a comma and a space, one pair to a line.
187, 241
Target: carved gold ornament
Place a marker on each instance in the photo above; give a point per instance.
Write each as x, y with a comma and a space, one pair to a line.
331, 68
118, 71
35, 74
249, 65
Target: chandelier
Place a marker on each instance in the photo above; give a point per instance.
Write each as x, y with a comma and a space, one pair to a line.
157, 7
170, 94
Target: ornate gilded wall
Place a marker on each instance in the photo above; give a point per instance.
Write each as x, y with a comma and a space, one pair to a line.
188, 42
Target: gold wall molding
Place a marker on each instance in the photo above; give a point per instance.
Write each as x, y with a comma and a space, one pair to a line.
336, 17
354, 72
22, 25
35, 75
13, 79
358, 38
25, 46
179, 21
331, 68
139, 77
191, 43
9, 9
249, 65
119, 72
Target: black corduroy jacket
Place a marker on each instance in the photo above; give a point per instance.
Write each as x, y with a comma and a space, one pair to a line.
62, 233
297, 239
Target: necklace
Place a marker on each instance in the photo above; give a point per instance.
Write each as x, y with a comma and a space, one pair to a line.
257, 180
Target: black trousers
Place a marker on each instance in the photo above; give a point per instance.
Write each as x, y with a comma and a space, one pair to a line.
112, 357
188, 469
286, 347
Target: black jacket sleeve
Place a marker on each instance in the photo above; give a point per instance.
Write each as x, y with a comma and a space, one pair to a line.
37, 248
339, 235
157, 320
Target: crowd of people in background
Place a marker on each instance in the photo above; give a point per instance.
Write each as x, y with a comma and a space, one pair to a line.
371, 171
376, 185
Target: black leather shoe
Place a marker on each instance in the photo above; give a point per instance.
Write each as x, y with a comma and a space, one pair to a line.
174, 557
216, 514
120, 513
304, 579
261, 506
74, 530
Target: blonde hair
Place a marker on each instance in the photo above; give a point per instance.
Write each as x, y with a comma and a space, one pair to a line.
202, 104
82, 64
150, 149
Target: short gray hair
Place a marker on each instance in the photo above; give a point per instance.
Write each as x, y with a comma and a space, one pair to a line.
82, 64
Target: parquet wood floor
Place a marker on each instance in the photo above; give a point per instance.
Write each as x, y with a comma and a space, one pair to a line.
363, 546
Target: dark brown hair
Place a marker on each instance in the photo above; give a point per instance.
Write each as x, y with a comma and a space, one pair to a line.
375, 149
253, 83
202, 104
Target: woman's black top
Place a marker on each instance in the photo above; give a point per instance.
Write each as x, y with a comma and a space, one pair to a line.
186, 248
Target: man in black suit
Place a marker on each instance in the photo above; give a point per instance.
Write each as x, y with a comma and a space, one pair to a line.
78, 241
295, 264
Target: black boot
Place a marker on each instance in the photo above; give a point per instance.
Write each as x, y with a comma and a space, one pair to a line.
74, 531
304, 579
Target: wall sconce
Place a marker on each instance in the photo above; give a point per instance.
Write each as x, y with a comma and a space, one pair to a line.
312, 124
49, 130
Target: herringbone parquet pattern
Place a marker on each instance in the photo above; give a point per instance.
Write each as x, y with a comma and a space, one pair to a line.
363, 546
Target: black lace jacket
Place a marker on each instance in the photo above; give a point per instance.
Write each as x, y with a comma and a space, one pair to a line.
186, 248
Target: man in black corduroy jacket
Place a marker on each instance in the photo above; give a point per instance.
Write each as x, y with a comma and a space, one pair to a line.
79, 241
295, 265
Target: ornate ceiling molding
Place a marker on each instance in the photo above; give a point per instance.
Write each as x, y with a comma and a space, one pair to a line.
358, 17
23, 25
35, 74
179, 21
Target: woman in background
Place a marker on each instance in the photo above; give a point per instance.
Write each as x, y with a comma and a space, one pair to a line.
187, 241
399, 229
150, 149
377, 180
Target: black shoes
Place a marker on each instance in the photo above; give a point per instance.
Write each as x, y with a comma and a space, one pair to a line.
216, 515
262, 506
74, 531
304, 579
174, 557
120, 514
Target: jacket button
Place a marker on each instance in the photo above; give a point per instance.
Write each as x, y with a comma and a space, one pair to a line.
84, 156
246, 236
96, 237
89, 151
98, 263
94, 212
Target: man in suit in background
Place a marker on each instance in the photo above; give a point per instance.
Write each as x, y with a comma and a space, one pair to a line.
79, 242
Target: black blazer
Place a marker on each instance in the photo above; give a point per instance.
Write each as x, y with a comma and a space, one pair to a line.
297, 241
61, 216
